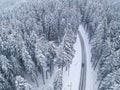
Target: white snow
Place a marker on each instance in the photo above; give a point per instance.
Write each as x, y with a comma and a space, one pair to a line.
71, 82
48, 82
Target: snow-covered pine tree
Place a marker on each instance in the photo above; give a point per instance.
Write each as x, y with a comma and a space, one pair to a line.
21, 84
58, 82
66, 51
17, 68
4, 84
41, 50
51, 56
29, 65
6, 68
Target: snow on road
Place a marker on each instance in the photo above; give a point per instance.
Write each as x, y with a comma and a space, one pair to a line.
91, 75
71, 82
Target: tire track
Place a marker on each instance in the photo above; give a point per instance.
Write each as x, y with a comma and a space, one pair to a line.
82, 83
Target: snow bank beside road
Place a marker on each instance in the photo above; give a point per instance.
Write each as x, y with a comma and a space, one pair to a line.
71, 81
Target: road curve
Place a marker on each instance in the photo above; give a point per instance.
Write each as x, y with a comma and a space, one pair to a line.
82, 83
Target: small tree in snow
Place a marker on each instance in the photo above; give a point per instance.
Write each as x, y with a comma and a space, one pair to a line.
22, 84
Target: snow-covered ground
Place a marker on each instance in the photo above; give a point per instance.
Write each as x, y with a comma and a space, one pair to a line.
48, 82
71, 82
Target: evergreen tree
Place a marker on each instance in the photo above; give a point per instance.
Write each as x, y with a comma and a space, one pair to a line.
58, 83
21, 84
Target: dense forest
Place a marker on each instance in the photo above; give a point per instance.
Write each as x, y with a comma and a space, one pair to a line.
36, 36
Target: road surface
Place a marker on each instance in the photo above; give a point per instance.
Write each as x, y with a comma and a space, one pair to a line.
82, 83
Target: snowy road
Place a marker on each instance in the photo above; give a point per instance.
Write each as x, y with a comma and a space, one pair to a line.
82, 83
89, 80
81, 75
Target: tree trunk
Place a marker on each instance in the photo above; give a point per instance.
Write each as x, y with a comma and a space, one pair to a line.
43, 75
46, 74
68, 70
36, 82
51, 67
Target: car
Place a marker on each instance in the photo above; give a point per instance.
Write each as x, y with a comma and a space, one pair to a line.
83, 64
